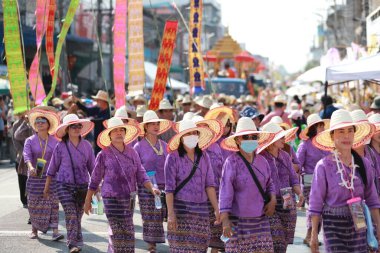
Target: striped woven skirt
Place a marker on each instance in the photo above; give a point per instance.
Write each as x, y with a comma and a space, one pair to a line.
43, 212
339, 231
121, 230
251, 235
216, 230
153, 219
73, 213
193, 228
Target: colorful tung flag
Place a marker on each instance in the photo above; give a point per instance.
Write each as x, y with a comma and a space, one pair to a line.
164, 62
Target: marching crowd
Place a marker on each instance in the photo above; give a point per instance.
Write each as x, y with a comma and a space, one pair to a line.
228, 177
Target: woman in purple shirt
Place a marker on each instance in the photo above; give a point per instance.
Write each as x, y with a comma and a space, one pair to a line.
375, 147
341, 179
119, 169
71, 164
189, 183
285, 180
308, 156
38, 150
152, 153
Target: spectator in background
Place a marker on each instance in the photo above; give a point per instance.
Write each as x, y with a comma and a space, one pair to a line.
279, 110
375, 106
230, 72
328, 107
166, 111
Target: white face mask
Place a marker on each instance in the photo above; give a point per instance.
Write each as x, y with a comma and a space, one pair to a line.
191, 141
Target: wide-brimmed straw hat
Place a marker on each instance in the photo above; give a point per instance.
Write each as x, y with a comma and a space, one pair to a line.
375, 119
186, 100
359, 116
151, 117
341, 119
52, 117
101, 95
311, 121
71, 119
214, 124
122, 114
165, 105
245, 126
140, 110
279, 121
279, 133
206, 135
222, 113
131, 132
205, 102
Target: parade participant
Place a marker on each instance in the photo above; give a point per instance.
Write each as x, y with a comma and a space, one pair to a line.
119, 169
375, 144
308, 156
186, 106
138, 101
341, 180
328, 107
246, 176
152, 153
375, 106
141, 109
165, 111
38, 150
204, 105
279, 110
72, 176
189, 183
254, 114
285, 180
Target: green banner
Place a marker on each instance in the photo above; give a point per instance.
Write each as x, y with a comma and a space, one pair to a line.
14, 57
62, 36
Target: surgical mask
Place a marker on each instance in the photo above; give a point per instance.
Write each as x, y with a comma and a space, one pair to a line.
191, 141
249, 146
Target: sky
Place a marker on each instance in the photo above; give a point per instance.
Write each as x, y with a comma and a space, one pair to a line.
281, 30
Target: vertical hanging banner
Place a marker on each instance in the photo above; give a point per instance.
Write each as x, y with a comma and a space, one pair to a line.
195, 53
50, 36
62, 36
35, 82
119, 51
164, 62
136, 70
14, 57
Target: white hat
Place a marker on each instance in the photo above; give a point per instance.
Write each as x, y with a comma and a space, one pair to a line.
139, 97
140, 110
359, 116
101, 95
123, 115
250, 98
375, 119
150, 117
312, 120
205, 102
245, 126
206, 135
165, 105
71, 119
279, 133
131, 132
186, 100
341, 119
179, 98
278, 120
280, 99
51, 116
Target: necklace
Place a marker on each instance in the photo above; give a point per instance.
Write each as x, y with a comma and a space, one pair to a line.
349, 183
158, 152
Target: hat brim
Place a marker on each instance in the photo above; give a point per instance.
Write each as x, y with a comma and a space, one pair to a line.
99, 98
289, 135
363, 133
87, 127
130, 121
131, 133
230, 144
52, 117
165, 125
303, 135
214, 124
206, 136
214, 113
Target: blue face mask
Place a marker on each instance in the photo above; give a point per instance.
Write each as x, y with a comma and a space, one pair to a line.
249, 146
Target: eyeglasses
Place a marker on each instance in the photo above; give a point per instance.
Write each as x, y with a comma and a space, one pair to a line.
41, 121
76, 126
249, 137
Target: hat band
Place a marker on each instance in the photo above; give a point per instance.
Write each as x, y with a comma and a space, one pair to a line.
342, 123
240, 132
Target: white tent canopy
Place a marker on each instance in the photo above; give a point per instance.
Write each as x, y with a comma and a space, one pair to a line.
313, 75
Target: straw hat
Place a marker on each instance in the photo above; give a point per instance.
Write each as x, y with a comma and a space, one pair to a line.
280, 99
165, 105
278, 120
179, 98
222, 113
139, 97
71, 119
52, 117
279, 133
205, 102
101, 95
205, 135
132, 132
45, 108
140, 110
186, 100
340, 119
56, 101
312, 120
375, 119
245, 126
122, 114
150, 117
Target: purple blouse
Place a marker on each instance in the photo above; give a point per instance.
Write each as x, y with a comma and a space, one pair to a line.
239, 194
325, 188
293, 156
225, 153
33, 150
83, 159
216, 159
120, 172
150, 160
309, 155
177, 169
282, 172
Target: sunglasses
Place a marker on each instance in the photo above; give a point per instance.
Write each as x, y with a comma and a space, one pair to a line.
249, 137
41, 121
76, 126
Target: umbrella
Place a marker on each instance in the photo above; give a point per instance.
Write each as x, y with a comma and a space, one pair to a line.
244, 56
209, 57
300, 90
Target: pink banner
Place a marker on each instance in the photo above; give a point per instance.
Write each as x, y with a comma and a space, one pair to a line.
50, 36
119, 61
35, 82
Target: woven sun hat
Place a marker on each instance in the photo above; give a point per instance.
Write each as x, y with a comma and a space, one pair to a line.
375, 119
122, 114
205, 102
278, 120
214, 124
51, 116
56, 101
245, 126
71, 119
251, 112
206, 135
222, 113
280, 99
140, 110
340, 119
359, 116
312, 120
151, 117
101, 95
131, 132
279, 133
45, 108
165, 105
